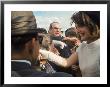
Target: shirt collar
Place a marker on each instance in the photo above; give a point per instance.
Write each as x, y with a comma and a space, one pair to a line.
26, 61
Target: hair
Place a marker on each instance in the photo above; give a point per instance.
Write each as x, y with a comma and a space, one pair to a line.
18, 42
70, 32
43, 30
46, 41
90, 19
50, 27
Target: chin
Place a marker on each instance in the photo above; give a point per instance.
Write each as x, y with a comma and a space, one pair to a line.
83, 39
57, 35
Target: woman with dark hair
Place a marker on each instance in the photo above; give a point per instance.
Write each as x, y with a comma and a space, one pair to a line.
87, 24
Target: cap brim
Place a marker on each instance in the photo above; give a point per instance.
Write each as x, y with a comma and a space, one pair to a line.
19, 32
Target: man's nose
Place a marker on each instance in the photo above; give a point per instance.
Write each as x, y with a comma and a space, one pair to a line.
58, 29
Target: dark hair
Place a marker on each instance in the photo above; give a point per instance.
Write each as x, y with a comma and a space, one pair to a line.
90, 19
70, 32
18, 42
42, 30
46, 41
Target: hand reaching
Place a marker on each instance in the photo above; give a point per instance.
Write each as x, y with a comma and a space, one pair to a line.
74, 40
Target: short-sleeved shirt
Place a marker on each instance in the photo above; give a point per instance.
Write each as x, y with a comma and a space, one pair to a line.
89, 58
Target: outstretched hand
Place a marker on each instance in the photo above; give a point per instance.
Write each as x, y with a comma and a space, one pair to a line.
74, 40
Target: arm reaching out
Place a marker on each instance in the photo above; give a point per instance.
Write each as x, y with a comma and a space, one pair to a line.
54, 58
58, 59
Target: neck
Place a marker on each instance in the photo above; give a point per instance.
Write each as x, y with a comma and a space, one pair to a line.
18, 55
91, 40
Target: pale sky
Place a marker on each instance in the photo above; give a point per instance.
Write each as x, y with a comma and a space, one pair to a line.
44, 18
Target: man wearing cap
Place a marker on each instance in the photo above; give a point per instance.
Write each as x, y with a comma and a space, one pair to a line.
25, 46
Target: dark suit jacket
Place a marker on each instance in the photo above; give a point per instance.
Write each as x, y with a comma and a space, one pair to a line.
65, 52
23, 69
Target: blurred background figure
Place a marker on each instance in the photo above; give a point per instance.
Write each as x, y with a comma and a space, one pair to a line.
55, 32
70, 34
47, 44
57, 37
42, 30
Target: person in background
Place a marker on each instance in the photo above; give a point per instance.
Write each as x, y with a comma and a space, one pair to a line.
42, 30
25, 47
87, 24
47, 44
57, 37
70, 34
55, 32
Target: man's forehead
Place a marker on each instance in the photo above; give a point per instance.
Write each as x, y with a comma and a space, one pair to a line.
56, 25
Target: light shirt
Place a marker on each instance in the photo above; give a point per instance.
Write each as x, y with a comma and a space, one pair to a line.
89, 58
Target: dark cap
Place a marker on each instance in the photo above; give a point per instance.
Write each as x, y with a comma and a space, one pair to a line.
23, 22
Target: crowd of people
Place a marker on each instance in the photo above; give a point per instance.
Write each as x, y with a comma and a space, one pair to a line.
36, 52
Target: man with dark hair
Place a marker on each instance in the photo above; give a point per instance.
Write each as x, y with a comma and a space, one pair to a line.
43, 30
70, 34
25, 46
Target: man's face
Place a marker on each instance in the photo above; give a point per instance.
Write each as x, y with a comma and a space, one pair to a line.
34, 47
56, 29
84, 33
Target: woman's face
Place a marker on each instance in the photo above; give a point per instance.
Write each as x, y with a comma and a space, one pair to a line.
84, 33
